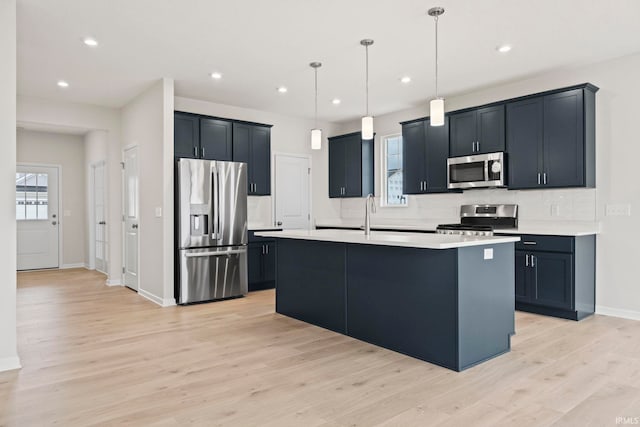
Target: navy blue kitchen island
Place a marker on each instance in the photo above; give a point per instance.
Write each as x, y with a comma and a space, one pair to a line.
448, 300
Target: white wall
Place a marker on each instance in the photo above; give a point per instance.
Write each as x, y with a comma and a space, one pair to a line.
289, 135
68, 152
8, 346
617, 148
95, 151
146, 121
38, 112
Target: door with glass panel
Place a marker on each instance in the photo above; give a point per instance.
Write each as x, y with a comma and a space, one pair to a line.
37, 217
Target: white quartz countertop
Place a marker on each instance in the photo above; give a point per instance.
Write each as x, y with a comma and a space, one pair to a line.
389, 238
550, 228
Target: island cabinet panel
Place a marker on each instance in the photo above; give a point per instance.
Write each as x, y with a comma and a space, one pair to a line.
486, 302
404, 299
311, 282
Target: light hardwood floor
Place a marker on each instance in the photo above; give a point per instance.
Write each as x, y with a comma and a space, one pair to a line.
95, 355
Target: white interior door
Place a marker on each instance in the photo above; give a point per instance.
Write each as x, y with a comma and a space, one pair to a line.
37, 217
292, 192
99, 218
130, 192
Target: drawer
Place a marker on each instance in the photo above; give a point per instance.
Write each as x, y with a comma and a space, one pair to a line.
256, 239
534, 242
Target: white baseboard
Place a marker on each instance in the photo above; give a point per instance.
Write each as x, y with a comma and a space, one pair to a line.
10, 363
617, 312
151, 297
114, 282
77, 265
168, 302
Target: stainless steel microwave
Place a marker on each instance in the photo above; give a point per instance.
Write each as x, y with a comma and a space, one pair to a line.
479, 171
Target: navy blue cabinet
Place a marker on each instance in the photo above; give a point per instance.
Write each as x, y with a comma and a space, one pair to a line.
551, 140
216, 139
425, 151
261, 262
350, 166
252, 145
477, 131
186, 135
555, 275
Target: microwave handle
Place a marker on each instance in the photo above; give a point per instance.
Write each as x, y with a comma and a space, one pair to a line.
486, 170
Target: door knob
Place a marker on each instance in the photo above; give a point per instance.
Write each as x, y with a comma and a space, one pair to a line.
102, 223
54, 216
134, 226
54, 222
279, 223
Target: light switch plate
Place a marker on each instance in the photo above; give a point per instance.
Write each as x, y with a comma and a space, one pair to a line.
488, 253
158, 212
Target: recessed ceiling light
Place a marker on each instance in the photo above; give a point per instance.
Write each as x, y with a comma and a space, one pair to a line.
216, 76
406, 79
504, 48
90, 41
62, 83
336, 101
282, 89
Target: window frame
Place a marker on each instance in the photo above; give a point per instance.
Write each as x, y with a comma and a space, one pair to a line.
383, 174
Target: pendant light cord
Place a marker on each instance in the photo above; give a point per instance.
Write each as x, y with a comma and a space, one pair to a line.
367, 78
436, 18
316, 110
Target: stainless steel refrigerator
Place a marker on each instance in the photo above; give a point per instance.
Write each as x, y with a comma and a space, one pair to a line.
212, 230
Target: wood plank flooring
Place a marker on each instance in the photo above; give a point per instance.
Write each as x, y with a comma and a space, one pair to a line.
95, 355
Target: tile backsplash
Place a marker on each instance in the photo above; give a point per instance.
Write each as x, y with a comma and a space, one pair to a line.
533, 205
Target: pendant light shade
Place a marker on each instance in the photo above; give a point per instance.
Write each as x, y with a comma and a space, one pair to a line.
436, 106
316, 134
436, 109
316, 139
367, 127
367, 120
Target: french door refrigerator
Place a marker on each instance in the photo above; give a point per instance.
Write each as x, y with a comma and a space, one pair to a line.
211, 230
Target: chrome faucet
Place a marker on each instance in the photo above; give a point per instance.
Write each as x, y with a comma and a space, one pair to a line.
369, 208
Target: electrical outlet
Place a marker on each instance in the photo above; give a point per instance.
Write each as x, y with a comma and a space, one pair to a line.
618, 209
555, 210
488, 253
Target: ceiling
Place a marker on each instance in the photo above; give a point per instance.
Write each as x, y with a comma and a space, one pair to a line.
260, 45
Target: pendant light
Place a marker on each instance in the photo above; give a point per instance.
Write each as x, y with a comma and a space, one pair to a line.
367, 120
436, 106
316, 133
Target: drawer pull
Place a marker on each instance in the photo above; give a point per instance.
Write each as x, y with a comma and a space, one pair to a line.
529, 243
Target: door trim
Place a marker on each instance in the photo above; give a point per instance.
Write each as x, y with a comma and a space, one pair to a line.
312, 218
60, 211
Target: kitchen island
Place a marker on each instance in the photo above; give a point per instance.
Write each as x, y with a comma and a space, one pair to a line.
445, 299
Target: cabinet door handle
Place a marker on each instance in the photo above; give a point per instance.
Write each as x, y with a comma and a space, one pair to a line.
195, 152
202, 149
529, 243
267, 248
533, 261
425, 186
478, 146
544, 178
539, 178
526, 261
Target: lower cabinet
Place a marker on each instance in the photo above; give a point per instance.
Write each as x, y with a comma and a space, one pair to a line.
555, 275
261, 262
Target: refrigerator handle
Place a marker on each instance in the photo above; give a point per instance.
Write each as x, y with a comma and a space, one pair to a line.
215, 204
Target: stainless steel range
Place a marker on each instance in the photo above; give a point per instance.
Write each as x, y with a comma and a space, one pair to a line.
482, 220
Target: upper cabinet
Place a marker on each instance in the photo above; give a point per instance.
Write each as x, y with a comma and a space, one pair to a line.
425, 151
210, 138
477, 131
551, 140
186, 135
350, 166
252, 145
